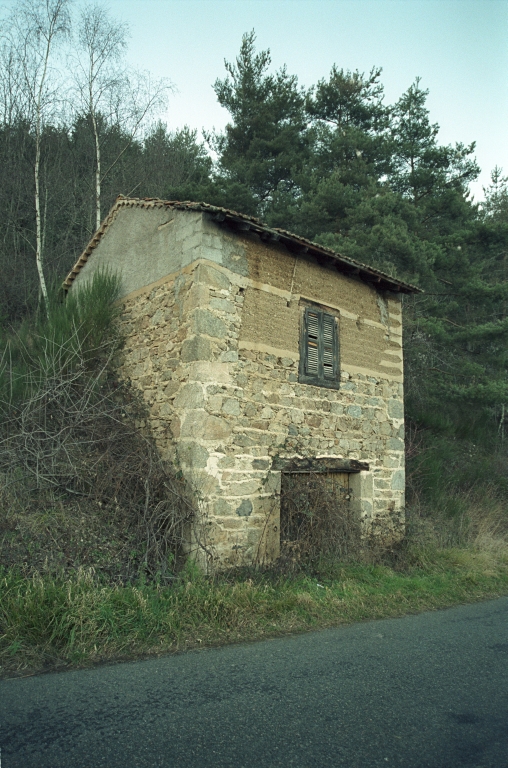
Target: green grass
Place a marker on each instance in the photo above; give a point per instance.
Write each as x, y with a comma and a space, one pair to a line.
49, 623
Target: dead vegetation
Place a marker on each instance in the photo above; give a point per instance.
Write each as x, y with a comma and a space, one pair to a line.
317, 519
481, 522
82, 484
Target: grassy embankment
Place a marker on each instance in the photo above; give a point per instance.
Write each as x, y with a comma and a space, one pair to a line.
47, 622
88, 527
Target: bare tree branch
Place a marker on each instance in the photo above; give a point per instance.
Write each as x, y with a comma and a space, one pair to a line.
34, 31
108, 92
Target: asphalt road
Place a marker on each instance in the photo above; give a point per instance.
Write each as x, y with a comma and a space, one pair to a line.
427, 691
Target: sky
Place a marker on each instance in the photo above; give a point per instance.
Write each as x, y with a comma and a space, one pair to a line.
459, 49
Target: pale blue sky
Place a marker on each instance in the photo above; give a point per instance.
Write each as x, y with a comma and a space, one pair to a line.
459, 48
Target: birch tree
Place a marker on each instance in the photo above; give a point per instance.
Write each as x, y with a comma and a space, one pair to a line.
102, 42
11, 108
36, 30
109, 93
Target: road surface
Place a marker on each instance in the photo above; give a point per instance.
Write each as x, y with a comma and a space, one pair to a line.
426, 691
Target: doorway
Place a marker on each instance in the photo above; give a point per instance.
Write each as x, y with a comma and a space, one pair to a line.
316, 516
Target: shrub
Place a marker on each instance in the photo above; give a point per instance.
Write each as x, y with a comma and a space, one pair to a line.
71, 448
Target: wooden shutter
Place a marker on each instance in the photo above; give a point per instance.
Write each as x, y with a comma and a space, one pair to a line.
329, 346
320, 348
312, 334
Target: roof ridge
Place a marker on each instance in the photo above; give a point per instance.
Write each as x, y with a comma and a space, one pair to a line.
369, 274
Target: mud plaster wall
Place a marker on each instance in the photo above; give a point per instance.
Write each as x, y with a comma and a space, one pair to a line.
213, 347
144, 245
370, 322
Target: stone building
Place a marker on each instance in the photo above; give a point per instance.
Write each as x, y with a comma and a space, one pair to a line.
258, 354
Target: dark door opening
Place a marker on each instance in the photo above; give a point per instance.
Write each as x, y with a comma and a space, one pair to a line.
315, 515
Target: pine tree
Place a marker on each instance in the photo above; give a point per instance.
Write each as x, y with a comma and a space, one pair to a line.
265, 144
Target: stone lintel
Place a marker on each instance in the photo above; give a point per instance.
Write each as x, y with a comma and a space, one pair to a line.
323, 464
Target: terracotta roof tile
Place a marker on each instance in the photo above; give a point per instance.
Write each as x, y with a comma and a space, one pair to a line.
241, 221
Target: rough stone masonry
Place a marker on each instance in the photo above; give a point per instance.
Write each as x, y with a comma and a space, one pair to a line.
213, 309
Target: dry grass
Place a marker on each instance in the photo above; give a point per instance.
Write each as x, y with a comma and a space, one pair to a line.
81, 483
476, 518
52, 621
49, 623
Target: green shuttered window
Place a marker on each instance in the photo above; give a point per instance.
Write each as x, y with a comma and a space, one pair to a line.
319, 352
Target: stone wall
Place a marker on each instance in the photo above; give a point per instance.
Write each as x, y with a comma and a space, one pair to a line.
225, 399
213, 347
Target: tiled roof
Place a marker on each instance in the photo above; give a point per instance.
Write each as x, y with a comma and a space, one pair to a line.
242, 223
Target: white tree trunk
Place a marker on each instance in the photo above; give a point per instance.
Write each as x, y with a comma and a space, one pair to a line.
38, 132
97, 173
38, 222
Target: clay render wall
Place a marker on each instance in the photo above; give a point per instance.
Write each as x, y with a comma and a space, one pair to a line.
213, 345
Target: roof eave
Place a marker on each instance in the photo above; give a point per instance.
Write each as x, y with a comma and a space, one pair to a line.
242, 223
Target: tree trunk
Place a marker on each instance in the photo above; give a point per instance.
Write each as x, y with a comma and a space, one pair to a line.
97, 172
38, 224
38, 131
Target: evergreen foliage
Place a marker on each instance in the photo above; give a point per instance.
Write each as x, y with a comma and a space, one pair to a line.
76, 331
333, 163
265, 146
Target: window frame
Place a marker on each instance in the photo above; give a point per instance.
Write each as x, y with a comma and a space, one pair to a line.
308, 323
